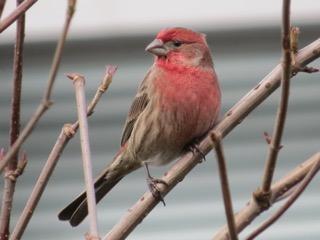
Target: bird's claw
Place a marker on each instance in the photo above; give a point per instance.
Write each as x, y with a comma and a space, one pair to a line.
196, 150
155, 191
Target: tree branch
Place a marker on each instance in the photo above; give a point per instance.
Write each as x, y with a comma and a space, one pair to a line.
21, 9
275, 143
10, 171
46, 172
294, 196
79, 82
58, 53
252, 209
187, 162
224, 185
46, 102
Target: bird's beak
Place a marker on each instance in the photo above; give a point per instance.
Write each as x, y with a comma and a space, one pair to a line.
157, 48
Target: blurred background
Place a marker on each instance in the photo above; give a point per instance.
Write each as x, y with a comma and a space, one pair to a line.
244, 37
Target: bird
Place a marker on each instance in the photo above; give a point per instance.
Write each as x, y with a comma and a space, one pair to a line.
176, 104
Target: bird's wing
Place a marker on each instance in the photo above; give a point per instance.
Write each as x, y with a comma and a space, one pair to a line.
138, 105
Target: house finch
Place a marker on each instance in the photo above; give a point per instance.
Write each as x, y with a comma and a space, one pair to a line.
176, 104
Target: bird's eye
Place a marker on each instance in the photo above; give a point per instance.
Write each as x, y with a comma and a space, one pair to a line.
177, 43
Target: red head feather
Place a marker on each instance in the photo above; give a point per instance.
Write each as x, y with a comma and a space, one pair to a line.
181, 34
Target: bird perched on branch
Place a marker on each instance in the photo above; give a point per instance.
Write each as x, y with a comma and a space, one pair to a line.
177, 103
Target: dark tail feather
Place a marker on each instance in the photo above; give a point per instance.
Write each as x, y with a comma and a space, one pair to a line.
77, 210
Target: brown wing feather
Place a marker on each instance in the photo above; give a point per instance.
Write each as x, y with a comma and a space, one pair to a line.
139, 103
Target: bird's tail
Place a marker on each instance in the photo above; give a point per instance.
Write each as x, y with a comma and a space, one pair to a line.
77, 210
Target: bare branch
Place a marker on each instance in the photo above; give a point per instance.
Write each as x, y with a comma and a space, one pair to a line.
253, 209
294, 196
10, 182
58, 53
53, 158
21, 9
305, 69
79, 82
275, 143
107, 79
46, 102
187, 162
225, 185
294, 42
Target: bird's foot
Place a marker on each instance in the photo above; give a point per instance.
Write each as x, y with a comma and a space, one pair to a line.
194, 148
152, 184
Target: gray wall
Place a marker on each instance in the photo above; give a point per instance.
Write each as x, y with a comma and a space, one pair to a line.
194, 209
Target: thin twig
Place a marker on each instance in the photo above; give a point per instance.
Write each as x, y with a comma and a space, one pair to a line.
21, 9
79, 83
58, 53
46, 172
294, 43
2, 4
275, 143
185, 164
293, 197
253, 209
10, 182
45, 102
216, 139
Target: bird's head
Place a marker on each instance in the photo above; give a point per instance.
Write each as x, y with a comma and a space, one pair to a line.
181, 46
